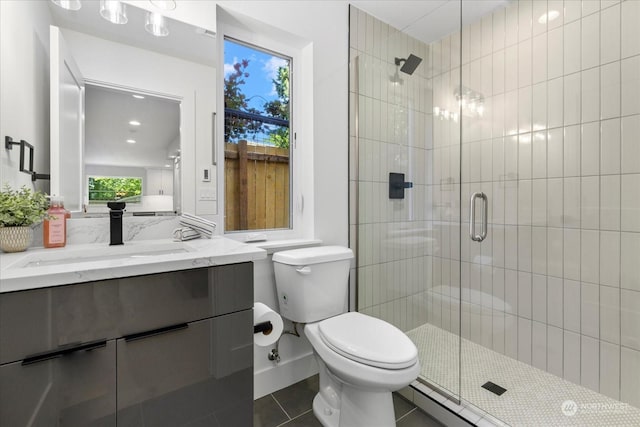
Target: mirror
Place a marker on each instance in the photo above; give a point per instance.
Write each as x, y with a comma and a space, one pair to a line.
174, 74
131, 150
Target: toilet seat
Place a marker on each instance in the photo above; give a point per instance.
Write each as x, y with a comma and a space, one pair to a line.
368, 340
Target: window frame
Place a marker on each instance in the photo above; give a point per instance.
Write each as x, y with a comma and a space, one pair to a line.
277, 44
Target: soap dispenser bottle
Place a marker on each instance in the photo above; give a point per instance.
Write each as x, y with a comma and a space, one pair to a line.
55, 226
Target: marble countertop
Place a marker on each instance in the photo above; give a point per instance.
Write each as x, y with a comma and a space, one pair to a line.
39, 267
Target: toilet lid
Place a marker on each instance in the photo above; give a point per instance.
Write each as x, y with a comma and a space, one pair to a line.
368, 340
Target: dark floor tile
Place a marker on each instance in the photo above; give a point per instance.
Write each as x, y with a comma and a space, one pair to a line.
267, 413
298, 398
305, 420
401, 405
418, 418
208, 421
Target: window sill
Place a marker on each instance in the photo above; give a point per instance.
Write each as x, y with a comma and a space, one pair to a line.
272, 246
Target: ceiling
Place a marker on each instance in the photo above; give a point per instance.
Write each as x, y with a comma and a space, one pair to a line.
428, 20
107, 116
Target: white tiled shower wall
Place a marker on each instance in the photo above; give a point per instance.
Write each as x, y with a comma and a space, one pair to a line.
394, 237
557, 150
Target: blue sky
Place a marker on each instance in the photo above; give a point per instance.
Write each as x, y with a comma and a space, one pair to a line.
262, 69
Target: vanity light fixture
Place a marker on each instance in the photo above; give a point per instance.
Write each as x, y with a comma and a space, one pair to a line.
114, 11
134, 123
68, 4
131, 141
548, 17
164, 4
138, 96
156, 24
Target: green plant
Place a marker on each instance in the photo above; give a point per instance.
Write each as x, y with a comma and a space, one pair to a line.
20, 208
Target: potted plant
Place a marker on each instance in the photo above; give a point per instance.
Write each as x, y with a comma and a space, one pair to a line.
20, 211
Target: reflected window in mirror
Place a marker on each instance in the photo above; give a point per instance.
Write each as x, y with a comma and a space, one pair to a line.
105, 189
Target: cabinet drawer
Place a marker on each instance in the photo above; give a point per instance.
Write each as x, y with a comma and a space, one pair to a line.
45, 319
77, 389
158, 300
200, 371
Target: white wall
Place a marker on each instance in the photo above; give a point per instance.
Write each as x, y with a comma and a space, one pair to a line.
110, 170
24, 85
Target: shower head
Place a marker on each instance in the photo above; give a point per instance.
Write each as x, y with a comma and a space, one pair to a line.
410, 63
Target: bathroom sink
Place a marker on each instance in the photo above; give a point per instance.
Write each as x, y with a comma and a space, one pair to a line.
98, 252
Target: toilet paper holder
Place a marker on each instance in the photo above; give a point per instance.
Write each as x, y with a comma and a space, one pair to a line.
264, 327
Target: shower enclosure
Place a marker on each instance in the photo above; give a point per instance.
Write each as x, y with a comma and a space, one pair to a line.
495, 201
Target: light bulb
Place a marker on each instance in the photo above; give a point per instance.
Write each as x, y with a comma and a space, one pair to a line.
68, 4
156, 24
114, 11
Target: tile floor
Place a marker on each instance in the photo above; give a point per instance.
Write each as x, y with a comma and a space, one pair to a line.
291, 407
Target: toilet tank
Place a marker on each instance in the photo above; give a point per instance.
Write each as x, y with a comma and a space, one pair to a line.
312, 283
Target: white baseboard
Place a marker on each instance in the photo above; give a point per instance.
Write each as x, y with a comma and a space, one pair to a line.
283, 375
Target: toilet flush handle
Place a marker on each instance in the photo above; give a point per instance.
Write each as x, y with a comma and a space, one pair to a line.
304, 270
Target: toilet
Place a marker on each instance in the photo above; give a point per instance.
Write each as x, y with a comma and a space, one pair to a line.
361, 359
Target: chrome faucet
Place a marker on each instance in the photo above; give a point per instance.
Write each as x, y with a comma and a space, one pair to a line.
116, 211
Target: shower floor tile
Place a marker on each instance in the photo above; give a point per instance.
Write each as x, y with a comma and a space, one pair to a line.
533, 397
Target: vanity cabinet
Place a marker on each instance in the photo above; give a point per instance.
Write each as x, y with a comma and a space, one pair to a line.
163, 349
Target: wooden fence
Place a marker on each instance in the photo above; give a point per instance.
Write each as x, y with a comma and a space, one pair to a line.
256, 187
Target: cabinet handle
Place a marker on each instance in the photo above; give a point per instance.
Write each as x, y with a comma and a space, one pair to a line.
41, 357
154, 332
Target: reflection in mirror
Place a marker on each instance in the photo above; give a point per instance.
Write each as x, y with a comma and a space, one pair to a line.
177, 72
132, 150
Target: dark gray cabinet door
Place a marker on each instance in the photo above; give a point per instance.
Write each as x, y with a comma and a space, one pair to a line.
47, 319
77, 389
195, 374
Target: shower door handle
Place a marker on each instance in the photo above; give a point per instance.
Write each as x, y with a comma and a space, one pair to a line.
472, 217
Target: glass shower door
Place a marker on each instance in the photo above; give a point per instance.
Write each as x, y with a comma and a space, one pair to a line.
405, 184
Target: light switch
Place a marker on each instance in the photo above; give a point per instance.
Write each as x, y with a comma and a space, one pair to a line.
206, 175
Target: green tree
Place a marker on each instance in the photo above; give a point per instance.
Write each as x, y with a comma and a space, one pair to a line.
237, 128
106, 189
280, 108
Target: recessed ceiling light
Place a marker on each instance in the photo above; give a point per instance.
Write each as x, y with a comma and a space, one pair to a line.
549, 16
134, 123
167, 166
131, 141
138, 96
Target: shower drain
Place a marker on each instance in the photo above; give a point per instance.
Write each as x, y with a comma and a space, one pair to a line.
494, 388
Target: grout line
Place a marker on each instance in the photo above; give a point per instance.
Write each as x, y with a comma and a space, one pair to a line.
295, 418
405, 415
278, 403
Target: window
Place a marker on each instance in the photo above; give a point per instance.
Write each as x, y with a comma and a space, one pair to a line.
105, 189
257, 136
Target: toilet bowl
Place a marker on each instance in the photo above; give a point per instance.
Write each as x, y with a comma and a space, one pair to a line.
361, 359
